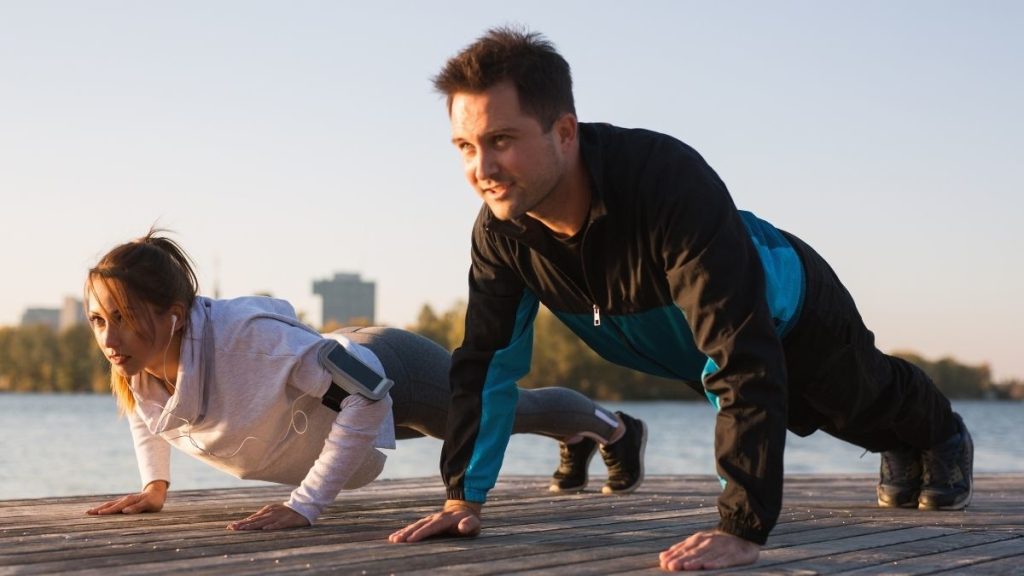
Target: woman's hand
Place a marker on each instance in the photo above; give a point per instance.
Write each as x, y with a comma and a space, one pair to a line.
151, 499
272, 517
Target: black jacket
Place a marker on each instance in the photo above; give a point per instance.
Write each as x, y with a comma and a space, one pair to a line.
670, 279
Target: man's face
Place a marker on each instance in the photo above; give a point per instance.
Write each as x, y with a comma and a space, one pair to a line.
507, 157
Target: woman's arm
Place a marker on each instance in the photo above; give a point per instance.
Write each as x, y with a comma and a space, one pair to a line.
348, 444
153, 455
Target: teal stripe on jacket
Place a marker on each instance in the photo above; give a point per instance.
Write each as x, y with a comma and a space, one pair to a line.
656, 341
498, 403
783, 271
659, 341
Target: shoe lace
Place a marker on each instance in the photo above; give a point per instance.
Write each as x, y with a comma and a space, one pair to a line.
900, 466
564, 458
941, 463
614, 456
573, 456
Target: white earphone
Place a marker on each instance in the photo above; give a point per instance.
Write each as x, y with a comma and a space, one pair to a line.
292, 425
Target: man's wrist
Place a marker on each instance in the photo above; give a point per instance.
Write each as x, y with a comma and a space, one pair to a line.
463, 506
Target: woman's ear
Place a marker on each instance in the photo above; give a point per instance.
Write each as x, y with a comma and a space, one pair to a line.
177, 313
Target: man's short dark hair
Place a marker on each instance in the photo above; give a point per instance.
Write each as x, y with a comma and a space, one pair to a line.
541, 76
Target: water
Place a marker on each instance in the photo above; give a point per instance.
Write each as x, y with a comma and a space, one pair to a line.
62, 445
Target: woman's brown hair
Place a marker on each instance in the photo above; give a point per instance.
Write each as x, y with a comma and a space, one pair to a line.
152, 270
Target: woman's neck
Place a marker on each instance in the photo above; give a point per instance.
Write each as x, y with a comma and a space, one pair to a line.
167, 370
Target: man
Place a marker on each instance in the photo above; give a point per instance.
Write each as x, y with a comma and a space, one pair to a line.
632, 240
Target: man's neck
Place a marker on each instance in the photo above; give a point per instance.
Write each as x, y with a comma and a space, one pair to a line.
567, 208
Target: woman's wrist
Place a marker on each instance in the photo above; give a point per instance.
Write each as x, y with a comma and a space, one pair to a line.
157, 486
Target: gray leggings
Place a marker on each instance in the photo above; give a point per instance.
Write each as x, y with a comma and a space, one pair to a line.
420, 395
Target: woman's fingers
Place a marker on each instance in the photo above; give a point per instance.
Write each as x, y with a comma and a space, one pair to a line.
130, 504
115, 506
272, 517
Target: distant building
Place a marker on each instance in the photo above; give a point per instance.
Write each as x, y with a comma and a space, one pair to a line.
71, 313
68, 315
41, 316
347, 299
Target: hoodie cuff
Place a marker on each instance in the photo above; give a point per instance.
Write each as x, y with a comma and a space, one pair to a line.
308, 511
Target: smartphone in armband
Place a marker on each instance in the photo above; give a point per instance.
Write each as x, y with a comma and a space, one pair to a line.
351, 373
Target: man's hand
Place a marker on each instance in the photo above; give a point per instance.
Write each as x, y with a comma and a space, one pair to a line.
457, 518
709, 550
151, 499
272, 517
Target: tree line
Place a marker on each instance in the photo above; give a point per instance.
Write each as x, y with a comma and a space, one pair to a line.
562, 359
41, 359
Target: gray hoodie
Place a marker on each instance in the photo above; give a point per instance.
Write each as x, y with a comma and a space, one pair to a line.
247, 401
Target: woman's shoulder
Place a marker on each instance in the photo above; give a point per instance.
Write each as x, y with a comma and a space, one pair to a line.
251, 320
248, 306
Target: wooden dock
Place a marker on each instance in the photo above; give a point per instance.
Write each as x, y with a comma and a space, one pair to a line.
830, 524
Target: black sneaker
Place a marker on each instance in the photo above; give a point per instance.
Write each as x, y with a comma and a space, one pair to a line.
625, 458
948, 472
571, 475
900, 479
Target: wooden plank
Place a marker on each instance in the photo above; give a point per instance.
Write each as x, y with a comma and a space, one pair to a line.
972, 558
829, 524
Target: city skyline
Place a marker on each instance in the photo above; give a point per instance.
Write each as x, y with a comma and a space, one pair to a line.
71, 311
283, 141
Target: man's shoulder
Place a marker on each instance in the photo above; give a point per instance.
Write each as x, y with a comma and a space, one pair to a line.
631, 164
612, 145
604, 134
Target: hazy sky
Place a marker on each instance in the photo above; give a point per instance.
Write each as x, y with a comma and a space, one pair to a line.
286, 141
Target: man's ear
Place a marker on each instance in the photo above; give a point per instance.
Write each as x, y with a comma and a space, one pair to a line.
566, 127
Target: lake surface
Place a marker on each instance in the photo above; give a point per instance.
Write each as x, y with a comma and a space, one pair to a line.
63, 445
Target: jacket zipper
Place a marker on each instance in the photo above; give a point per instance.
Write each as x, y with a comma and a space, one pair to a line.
586, 280
588, 293
597, 310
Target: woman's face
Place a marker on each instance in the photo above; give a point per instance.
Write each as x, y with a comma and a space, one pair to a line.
128, 350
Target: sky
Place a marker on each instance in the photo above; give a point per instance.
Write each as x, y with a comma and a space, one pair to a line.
285, 141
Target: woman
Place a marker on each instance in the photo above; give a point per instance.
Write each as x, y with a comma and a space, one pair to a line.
241, 385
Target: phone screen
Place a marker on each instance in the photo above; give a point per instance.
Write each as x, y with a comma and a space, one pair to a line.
353, 367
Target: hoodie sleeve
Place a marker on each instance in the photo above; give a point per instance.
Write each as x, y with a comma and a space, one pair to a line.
347, 447
716, 278
152, 453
